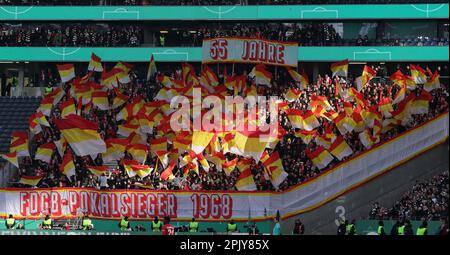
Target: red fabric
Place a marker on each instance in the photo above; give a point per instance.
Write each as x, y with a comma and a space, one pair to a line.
168, 230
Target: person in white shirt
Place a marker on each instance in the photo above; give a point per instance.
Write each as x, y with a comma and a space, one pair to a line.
103, 181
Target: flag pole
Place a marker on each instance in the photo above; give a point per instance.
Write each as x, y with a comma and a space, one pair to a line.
232, 70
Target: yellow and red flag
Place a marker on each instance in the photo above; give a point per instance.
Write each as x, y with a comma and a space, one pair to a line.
151, 68
306, 136
201, 139
67, 166
158, 144
115, 148
182, 142
320, 100
66, 72
82, 135
262, 76
340, 68
45, 152
293, 94
433, 82
367, 139
100, 100
229, 165
46, 106
138, 151
120, 99
30, 180
340, 149
295, 117
126, 129
418, 74
273, 165
109, 79
19, 145
95, 64
133, 167
367, 75
245, 181
320, 157
98, 170
421, 103
11, 158
300, 78
212, 77
310, 121
385, 106
167, 174
67, 108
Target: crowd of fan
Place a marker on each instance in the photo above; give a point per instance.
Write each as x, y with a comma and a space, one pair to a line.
426, 200
204, 2
75, 35
71, 35
292, 150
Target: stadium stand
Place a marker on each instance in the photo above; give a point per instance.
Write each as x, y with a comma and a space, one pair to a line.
14, 112
101, 131
305, 33
425, 201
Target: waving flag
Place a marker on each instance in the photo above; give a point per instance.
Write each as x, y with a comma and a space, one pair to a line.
320, 157
115, 149
229, 165
45, 152
138, 151
151, 68
418, 74
119, 100
167, 174
201, 139
273, 165
293, 94
133, 167
30, 180
109, 79
98, 170
182, 142
367, 139
81, 135
20, 146
66, 72
250, 143
432, 83
67, 108
367, 75
262, 77
11, 158
212, 78
340, 68
310, 121
100, 99
57, 94
46, 106
385, 106
340, 149
158, 144
421, 103
306, 136
67, 166
125, 130
245, 181
95, 64
295, 117
300, 78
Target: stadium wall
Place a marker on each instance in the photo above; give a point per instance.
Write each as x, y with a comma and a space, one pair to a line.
194, 54
385, 189
263, 12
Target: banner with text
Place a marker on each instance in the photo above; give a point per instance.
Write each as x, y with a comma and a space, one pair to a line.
249, 50
216, 205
